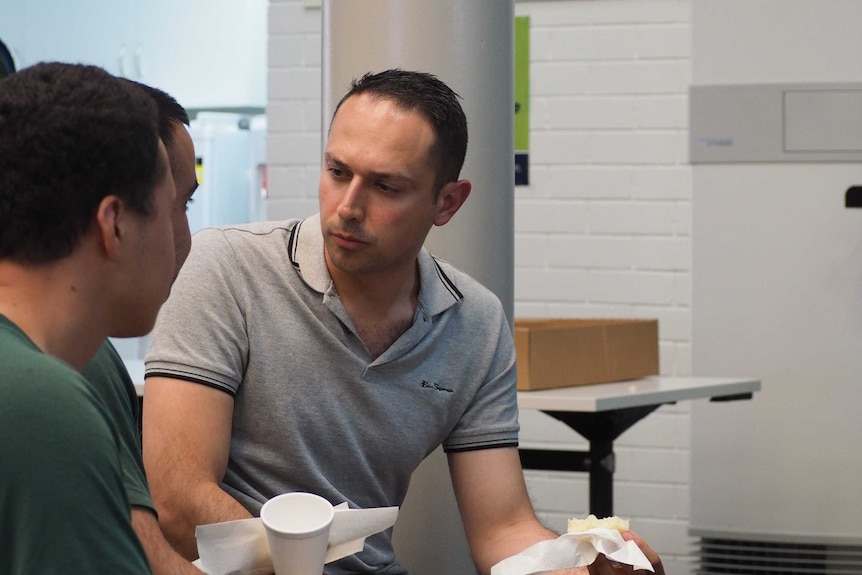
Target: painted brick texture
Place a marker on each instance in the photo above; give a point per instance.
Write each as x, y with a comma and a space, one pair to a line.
603, 229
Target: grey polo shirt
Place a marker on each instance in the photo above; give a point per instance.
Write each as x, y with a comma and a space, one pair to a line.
254, 313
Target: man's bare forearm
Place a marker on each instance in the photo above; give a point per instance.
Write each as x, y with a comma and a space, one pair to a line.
201, 505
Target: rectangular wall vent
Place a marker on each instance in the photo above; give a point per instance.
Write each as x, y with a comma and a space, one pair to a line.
730, 556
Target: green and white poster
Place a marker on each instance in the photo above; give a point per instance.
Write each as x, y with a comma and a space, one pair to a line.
522, 100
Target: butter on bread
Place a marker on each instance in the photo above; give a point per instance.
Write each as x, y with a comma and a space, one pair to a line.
592, 522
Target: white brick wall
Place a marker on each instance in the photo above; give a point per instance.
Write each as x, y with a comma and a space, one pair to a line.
293, 110
603, 229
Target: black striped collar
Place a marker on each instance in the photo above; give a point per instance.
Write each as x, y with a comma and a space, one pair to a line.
437, 290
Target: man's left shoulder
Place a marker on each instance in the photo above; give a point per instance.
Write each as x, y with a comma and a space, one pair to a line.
469, 290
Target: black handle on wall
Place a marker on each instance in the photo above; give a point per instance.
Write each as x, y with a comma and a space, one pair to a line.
7, 64
853, 197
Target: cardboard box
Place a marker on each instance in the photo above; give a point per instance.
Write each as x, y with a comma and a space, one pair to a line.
565, 352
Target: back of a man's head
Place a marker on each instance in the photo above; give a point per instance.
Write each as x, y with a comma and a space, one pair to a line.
70, 135
171, 113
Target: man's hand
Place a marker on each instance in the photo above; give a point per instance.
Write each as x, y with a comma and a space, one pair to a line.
162, 557
604, 566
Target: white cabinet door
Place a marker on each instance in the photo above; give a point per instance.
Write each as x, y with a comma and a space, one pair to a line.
777, 294
205, 53
86, 31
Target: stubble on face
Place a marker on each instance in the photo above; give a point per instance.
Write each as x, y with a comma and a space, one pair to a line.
376, 188
182, 159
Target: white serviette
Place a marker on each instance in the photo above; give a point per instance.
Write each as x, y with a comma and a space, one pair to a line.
576, 549
241, 547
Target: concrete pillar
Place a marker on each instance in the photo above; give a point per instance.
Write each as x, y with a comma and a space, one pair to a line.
469, 45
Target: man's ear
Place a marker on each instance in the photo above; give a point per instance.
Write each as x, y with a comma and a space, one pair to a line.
109, 225
451, 198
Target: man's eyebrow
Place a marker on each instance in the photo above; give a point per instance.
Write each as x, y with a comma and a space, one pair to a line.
330, 159
389, 176
399, 179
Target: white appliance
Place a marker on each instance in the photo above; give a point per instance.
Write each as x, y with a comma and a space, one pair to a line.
230, 156
777, 293
777, 285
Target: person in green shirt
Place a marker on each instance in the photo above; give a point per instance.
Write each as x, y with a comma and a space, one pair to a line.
107, 373
86, 252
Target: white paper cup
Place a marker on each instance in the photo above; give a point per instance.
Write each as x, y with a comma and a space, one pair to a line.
297, 528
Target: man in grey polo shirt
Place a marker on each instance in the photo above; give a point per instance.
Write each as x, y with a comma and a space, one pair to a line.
333, 354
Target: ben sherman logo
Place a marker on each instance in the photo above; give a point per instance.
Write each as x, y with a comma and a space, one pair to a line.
436, 387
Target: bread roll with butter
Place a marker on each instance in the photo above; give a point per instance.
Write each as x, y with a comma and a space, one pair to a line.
592, 522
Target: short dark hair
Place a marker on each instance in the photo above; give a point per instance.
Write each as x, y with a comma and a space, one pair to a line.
171, 113
431, 98
70, 135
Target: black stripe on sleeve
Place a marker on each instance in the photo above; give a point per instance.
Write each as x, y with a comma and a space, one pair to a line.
191, 379
462, 448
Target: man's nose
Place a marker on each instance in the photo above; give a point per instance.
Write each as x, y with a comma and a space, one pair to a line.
352, 204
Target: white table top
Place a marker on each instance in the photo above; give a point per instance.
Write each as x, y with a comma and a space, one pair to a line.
652, 390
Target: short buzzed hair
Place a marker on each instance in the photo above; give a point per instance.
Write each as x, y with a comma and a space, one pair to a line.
70, 135
171, 113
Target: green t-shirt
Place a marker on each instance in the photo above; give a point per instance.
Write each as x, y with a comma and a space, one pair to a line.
110, 380
63, 508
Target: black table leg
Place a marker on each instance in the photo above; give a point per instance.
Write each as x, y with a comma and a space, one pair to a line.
603, 465
600, 429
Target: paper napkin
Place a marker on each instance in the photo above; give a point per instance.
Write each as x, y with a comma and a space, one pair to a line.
576, 549
241, 547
